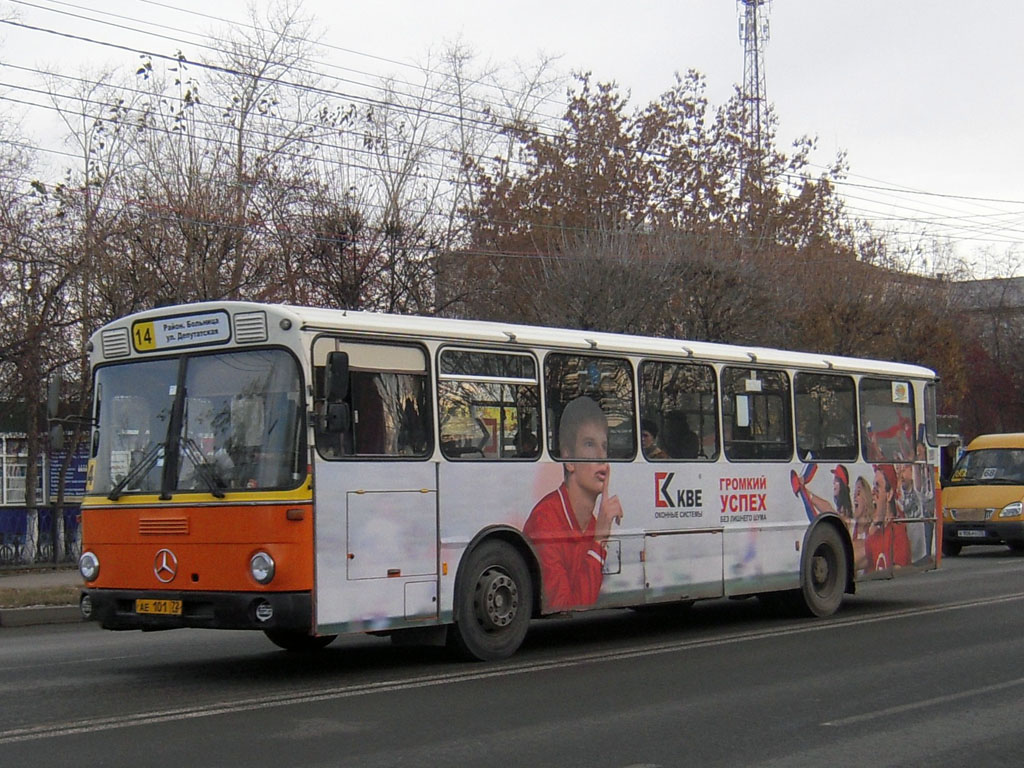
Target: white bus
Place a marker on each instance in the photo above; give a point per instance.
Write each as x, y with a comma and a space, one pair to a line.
311, 472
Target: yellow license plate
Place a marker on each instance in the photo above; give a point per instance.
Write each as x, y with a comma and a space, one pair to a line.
159, 607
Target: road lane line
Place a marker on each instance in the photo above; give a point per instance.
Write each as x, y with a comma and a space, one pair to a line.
925, 703
177, 714
74, 662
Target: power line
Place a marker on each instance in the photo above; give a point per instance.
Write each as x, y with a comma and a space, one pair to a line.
204, 44
441, 115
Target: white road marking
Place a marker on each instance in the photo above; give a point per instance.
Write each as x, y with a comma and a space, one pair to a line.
250, 704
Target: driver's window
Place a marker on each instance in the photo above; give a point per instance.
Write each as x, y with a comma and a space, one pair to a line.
389, 397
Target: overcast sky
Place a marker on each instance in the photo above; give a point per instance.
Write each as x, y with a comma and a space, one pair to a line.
922, 96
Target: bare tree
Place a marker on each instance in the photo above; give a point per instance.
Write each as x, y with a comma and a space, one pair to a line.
601, 280
218, 140
34, 337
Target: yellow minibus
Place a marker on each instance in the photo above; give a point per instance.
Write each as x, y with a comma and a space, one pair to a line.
983, 499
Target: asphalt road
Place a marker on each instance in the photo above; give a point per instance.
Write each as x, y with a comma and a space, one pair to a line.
922, 671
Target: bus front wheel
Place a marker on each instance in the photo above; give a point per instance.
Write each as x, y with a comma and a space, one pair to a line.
298, 642
494, 602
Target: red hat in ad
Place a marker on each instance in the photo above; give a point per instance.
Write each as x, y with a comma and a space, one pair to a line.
890, 474
842, 474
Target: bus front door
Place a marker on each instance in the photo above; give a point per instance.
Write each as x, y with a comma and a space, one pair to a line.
377, 551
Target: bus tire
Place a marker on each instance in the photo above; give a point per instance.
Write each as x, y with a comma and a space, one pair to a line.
823, 571
950, 549
298, 642
494, 602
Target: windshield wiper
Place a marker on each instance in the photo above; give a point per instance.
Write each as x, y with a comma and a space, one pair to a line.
146, 463
203, 468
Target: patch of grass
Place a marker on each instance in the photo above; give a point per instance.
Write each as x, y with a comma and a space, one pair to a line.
23, 597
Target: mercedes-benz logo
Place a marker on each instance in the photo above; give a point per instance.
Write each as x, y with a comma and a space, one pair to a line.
165, 565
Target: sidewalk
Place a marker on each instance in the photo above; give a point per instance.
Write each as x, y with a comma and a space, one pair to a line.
64, 582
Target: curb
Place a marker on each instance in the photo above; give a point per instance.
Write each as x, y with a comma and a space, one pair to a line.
47, 614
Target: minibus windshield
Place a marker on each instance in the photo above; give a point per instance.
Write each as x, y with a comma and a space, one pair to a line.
990, 466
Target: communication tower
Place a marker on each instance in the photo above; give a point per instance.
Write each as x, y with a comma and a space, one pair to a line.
754, 34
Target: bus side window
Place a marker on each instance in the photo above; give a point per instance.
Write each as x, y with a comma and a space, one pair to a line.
678, 411
756, 419
887, 420
826, 417
608, 381
489, 405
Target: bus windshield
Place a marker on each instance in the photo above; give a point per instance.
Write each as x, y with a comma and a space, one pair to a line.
990, 466
204, 423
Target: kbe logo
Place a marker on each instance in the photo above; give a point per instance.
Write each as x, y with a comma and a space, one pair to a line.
664, 496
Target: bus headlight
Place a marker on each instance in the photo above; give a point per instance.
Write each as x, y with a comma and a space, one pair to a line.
89, 566
1012, 510
261, 566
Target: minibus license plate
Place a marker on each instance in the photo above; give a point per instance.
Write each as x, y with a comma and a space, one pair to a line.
971, 533
159, 607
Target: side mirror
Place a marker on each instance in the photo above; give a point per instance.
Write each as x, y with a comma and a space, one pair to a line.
336, 377
337, 418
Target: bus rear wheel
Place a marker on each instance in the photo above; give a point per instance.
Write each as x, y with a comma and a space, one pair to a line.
823, 572
494, 603
298, 642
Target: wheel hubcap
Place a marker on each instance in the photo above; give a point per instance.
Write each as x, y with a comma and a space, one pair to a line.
821, 570
497, 600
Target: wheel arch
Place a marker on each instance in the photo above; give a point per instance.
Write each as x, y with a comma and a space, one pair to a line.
517, 541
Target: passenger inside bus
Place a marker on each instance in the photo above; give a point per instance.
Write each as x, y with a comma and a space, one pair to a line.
649, 439
680, 440
527, 442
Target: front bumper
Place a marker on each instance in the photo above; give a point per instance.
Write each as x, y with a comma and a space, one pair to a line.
116, 609
987, 532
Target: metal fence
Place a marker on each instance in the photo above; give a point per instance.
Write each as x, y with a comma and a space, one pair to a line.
38, 537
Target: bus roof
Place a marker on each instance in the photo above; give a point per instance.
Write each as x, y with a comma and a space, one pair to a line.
512, 335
